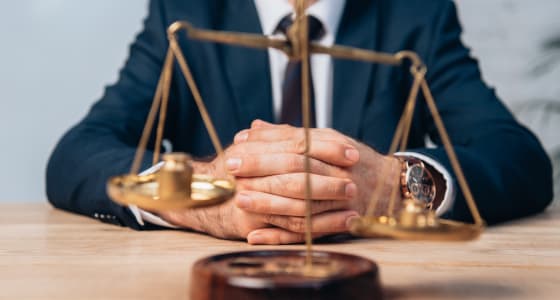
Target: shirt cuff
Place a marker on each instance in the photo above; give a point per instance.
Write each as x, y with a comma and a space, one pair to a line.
449, 196
142, 216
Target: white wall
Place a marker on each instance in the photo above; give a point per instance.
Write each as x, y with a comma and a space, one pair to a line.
56, 56
510, 38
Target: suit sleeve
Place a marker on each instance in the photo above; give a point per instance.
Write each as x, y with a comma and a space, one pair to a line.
104, 142
505, 165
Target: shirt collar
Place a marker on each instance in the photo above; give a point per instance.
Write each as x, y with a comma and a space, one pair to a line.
329, 12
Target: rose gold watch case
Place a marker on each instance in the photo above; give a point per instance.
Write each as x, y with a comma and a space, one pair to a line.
408, 164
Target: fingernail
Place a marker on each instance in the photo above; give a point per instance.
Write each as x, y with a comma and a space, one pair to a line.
233, 164
352, 154
351, 190
241, 136
256, 238
243, 200
351, 220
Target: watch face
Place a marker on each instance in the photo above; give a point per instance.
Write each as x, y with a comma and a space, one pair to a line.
420, 184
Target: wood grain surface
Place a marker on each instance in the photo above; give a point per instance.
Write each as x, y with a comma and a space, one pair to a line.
50, 254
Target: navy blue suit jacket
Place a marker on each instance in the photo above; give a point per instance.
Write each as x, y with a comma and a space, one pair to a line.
508, 171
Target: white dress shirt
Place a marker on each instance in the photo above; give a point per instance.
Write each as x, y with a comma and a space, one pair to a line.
329, 13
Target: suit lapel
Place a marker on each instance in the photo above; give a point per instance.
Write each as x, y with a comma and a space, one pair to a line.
248, 70
358, 28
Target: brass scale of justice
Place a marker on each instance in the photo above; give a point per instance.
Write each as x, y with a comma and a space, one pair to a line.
303, 274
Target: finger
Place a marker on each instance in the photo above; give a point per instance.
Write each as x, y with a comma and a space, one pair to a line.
258, 123
328, 222
268, 204
241, 136
267, 164
277, 236
332, 152
272, 132
294, 186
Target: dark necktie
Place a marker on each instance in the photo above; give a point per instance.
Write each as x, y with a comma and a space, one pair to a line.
291, 112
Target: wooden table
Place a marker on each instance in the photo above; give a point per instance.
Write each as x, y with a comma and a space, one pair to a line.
50, 254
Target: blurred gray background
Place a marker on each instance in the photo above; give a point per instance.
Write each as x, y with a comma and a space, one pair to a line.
57, 56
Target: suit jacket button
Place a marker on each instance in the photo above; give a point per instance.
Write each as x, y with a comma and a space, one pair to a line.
107, 218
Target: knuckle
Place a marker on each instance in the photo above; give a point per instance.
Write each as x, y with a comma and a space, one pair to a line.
317, 207
299, 133
336, 188
262, 206
243, 184
270, 219
250, 134
334, 134
262, 184
334, 171
320, 168
294, 163
234, 149
321, 206
297, 187
296, 224
272, 183
339, 136
299, 145
343, 173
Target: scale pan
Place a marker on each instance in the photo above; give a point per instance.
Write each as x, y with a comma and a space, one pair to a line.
142, 191
443, 230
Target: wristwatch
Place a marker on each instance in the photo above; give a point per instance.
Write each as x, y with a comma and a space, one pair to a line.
421, 182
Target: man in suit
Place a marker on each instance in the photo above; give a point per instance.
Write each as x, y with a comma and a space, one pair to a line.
248, 91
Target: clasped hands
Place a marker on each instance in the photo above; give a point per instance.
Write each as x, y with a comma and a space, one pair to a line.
268, 163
